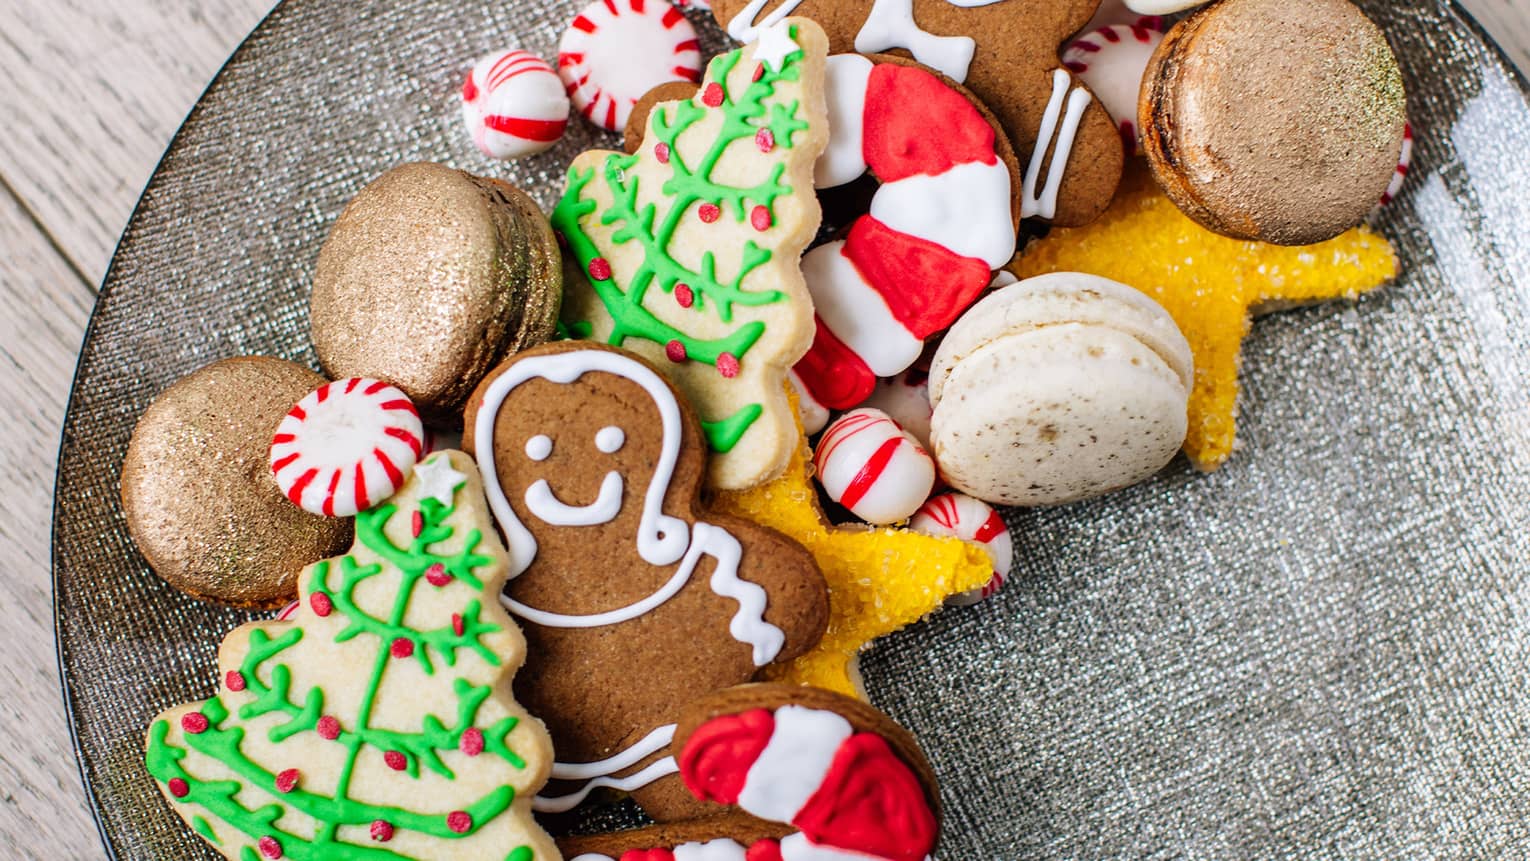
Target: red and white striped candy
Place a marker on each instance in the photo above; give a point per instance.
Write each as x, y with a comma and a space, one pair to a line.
1112, 60
514, 105
1404, 162
868, 464
346, 446
972, 520
617, 50
1115, 12
906, 400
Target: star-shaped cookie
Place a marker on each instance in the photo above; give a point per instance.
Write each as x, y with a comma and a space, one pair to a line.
880, 579
1210, 284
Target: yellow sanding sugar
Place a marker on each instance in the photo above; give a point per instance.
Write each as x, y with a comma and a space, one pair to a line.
880, 579
1210, 284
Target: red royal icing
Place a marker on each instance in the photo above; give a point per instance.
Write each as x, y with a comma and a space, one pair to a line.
395, 760
675, 351
194, 723
382, 830
234, 680
288, 780
717, 757
765, 139
437, 575
926, 286
871, 802
457, 624
321, 604
833, 374
459, 821
708, 212
328, 727
402, 647
178, 787
647, 855
600, 269
760, 218
727, 365
684, 296
416, 523
661, 152
712, 96
269, 847
765, 850
916, 124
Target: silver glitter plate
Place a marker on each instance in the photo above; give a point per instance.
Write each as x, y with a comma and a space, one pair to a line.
1321, 651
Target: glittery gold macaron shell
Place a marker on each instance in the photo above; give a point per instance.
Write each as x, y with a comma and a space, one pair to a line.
198, 494
429, 278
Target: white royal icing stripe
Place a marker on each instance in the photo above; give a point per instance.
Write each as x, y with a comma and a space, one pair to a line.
744, 28
794, 762
966, 209
890, 24
845, 89
748, 624
561, 803
636, 753
797, 847
1045, 205
856, 313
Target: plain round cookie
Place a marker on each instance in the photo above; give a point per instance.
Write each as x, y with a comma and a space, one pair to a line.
1056, 389
198, 494
431, 277
1274, 120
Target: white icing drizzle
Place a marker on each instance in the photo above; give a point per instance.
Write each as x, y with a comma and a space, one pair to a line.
745, 28
539, 447
634, 754
547, 619
794, 763
561, 803
661, 539
748, 624
890, 24
543, 503
845, 85
1045, 205
610, 439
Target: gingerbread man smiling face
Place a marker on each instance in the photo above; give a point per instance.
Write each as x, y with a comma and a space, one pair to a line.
634, 600
1006, 52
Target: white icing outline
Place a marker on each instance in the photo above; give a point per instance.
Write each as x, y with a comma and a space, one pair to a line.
1077, 102
890, 24
558, 804
635, 753
743, 26
794, 763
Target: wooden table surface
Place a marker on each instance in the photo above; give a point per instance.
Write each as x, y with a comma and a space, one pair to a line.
94, 92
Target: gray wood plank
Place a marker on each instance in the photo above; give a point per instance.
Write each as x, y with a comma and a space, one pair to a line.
42, 806
93, 93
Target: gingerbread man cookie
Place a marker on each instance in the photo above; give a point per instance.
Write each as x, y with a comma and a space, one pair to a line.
634, 598
1005, 51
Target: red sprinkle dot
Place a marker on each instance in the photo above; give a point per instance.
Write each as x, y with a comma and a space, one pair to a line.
320, 603
472, 741
457, 627
760, 218
437, 575
234, 680
395, 760
708, 212
402, 647
600, 269
459, 821
178, 787
416, 524
759, 71
727, 365
194, 722
382, 830
765, 139
712, 96
661, 152
287, 780
269, 847
684, 296
675, 351
328, 727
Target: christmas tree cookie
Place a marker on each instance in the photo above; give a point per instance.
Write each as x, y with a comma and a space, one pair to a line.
378, 723
687, 251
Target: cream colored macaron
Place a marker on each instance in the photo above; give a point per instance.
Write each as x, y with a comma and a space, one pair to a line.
1056, 389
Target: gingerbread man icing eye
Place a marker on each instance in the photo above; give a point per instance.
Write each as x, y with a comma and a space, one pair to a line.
610, 439
539, 447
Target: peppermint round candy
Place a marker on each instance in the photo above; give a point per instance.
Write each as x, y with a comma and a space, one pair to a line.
962, 516
1404, 162
1112, 60
617, 50
514, 105
873, 467
346, 446
906, 400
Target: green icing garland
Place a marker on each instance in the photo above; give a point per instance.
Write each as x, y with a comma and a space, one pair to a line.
222, 740
689, 187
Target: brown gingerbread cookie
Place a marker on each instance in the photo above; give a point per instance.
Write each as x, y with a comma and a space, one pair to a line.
842, 777
633, 597
637, 121
1007, 53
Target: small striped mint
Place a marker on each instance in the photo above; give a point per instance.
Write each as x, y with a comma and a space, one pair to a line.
614, 51
346, 446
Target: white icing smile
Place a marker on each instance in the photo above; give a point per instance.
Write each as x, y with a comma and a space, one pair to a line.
546, 506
